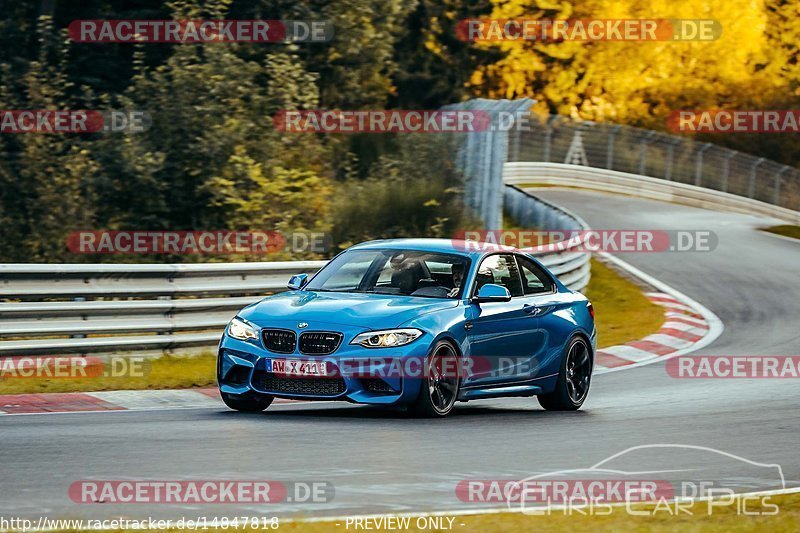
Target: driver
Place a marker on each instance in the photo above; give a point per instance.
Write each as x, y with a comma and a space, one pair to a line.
458, 279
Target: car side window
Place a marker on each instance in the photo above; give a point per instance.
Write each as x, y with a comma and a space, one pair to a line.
534, 279
502, 270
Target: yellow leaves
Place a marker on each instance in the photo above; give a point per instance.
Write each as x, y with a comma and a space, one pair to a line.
477, 78
530, 9
432, 45
279, 198
632, 80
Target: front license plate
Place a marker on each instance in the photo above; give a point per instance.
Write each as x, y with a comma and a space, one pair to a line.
297, 367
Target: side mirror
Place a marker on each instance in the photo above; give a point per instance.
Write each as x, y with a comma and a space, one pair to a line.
297, 281
492, 292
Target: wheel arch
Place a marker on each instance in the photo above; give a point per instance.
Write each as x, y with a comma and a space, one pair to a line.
449, 338
585, 337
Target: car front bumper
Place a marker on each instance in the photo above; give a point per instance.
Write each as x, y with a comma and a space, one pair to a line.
378, 376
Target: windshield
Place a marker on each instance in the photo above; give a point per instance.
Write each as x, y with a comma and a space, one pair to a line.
401, 272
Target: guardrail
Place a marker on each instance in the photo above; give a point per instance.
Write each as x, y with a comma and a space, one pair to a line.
110, 308
558, 174
640, 152
75, 308
570, 266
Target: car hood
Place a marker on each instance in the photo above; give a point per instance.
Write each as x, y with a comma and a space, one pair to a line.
370, 311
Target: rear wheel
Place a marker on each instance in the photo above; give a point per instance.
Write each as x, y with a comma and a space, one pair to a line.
572, 385
246, 404
439, 389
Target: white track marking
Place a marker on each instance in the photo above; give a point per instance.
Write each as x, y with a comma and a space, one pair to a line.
700, 322
156, 399
668, 340
629, 353
679, 306
712, 321
682, 326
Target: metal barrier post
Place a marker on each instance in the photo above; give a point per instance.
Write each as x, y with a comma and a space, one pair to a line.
670, 157
548, 138
610, 147
643, 152
751, 185
726, 169
698, 170
776, 193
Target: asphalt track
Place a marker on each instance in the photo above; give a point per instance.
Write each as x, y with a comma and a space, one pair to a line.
382, 462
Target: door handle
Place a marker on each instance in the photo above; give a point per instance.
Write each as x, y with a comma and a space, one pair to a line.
530, 309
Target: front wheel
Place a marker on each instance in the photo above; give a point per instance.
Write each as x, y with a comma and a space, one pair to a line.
439, 388
574, 377
246, 404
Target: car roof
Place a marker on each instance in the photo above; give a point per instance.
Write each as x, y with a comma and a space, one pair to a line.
453, 246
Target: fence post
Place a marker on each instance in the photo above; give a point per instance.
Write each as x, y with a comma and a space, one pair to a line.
643, 152
751, 185
482, 156
776, 193
487, 207
670, 156
610, 148
726, 169
516, 141
548, 137
698, 169
473, 180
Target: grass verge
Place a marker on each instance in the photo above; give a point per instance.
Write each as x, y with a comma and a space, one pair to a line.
166, 372
787, 230
623, 314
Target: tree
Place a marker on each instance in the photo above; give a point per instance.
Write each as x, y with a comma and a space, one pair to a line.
46, 178
752, 65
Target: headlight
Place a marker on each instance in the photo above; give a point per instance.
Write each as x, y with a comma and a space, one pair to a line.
239, 329
387, 338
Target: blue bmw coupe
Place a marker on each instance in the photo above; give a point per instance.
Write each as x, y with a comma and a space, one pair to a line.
421, 323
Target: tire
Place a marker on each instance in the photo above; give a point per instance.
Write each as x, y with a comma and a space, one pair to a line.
439, 389
247, 404
574, 378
